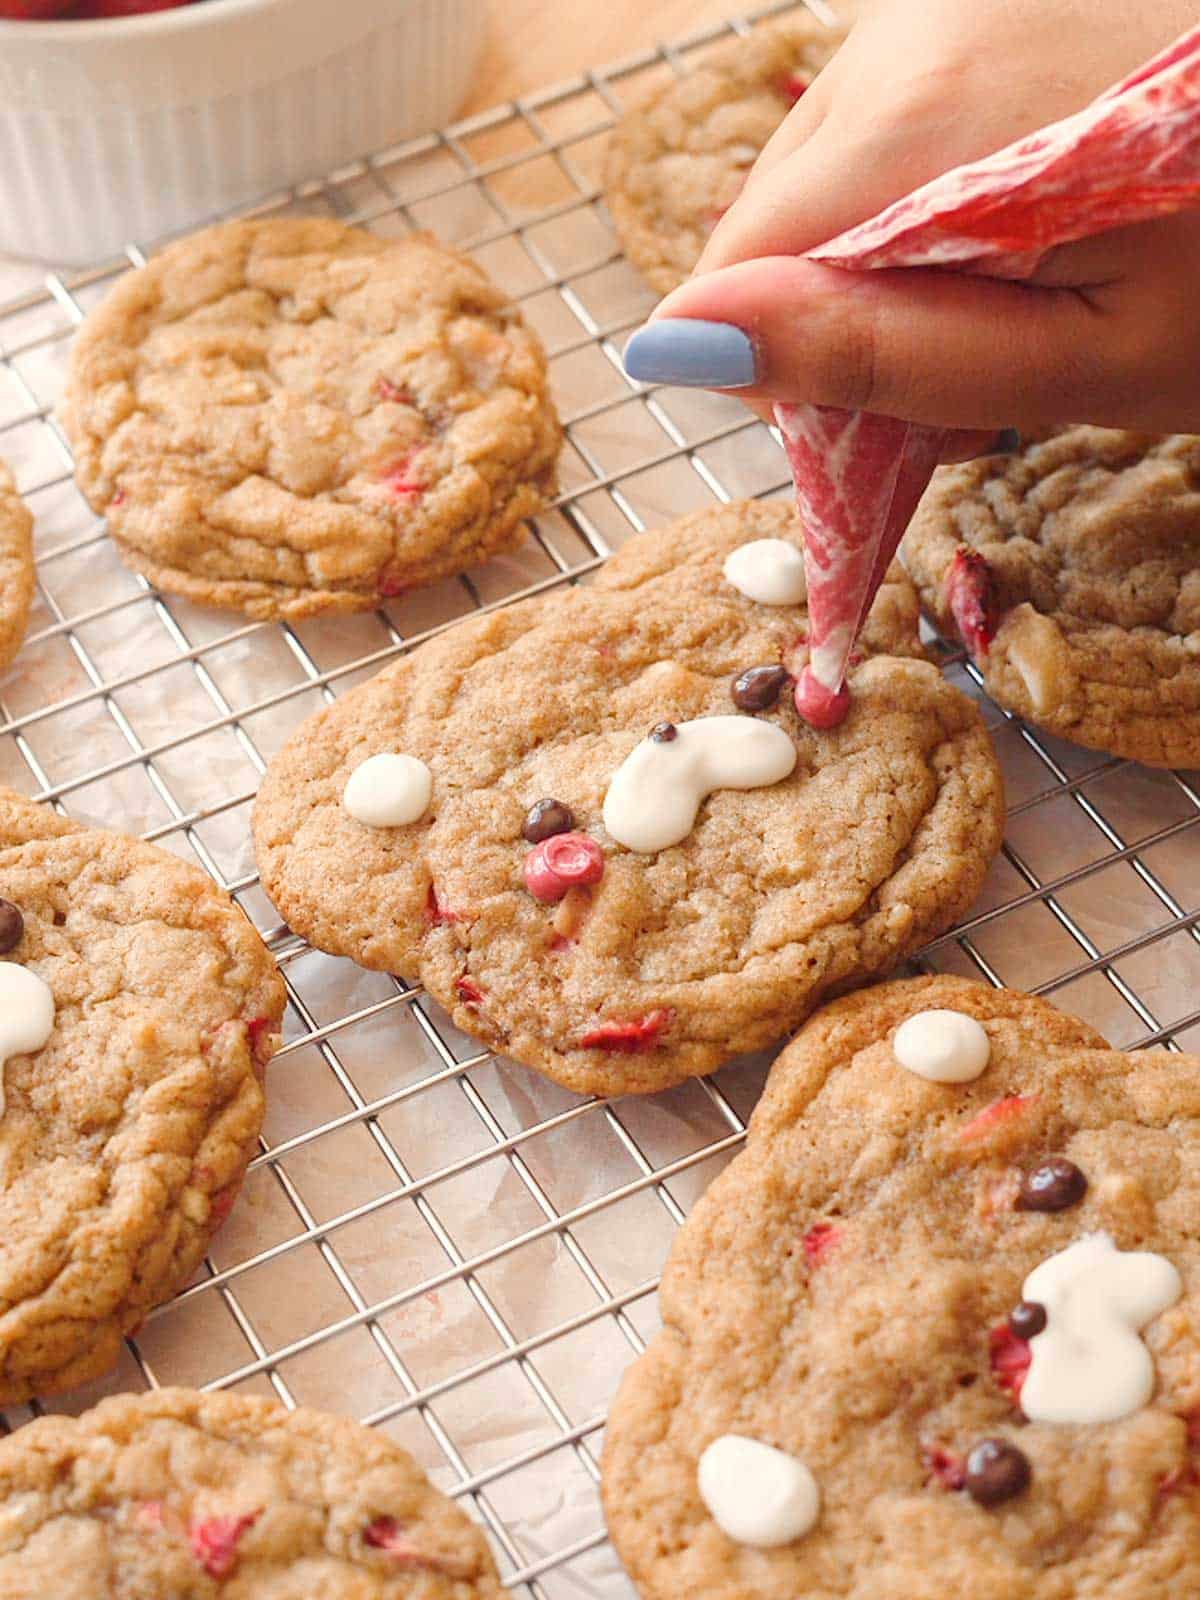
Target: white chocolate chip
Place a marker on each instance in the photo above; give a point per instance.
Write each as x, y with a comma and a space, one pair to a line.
943, 1046
657, 790
1037, 653
1089, 1363
770, 571
756, 1494
387, 790
26, 1014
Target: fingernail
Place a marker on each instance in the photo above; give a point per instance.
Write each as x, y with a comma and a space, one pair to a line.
1006, 443
698, 355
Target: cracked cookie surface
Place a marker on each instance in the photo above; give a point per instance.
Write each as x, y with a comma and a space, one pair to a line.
16, 567
293, 416
678, 162
673, 962
836, 1295
1086, 555
124, 1139
185, 1496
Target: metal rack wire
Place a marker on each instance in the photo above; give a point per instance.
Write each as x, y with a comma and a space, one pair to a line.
431, 1239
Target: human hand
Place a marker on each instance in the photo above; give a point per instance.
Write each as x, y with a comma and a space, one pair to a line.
1106, 330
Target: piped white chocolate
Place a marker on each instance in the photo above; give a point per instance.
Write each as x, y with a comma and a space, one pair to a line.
757, 1495
657, 790
388, 790
26, 1014
1089, 1363
944, 1046
770, 571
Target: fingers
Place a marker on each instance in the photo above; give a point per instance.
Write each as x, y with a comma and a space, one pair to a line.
933, 347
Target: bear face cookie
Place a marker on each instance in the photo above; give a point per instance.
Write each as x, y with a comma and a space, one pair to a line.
138, 1010
936, 1329
606, 861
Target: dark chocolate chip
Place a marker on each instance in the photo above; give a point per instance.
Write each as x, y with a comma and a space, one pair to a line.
758, 688
12, 927
1054, 1186
1027, 1319
664, 732
545, 819
996, 1471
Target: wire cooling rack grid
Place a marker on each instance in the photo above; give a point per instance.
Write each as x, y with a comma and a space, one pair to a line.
432, 1239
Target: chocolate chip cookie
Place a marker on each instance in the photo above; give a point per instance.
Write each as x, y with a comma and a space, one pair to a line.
183, 1496
293, 416
1071, 572
16, 567
677, 163
937, 1329
138, 1010
606, 854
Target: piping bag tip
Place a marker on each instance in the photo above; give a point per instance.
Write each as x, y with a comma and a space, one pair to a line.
819, 706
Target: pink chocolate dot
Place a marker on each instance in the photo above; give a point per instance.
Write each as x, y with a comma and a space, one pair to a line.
553, 866
820, 707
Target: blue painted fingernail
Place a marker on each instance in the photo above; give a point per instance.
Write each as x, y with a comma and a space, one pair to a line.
698, 355
1007, 442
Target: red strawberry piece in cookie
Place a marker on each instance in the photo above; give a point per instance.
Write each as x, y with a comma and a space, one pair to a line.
391, 582
397, 393
944, 1467
469, 992
385, 1533
970, 594
628, 1038
1000, 1115
403, 478
1010, 1359
259, 1031
820, 1242
437, 911
792, 86
561, 862
214, 1541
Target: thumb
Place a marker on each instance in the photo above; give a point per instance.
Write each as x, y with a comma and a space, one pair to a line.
941, 348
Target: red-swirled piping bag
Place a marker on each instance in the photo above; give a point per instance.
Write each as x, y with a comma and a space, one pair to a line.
1131, 155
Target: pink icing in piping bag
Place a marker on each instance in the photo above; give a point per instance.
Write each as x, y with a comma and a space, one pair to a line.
1132, 154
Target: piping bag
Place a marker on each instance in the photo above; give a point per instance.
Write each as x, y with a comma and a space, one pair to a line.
1132, 154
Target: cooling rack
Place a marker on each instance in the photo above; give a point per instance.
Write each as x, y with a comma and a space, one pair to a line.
431, 1239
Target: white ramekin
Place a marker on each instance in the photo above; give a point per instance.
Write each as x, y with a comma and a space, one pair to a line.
125, 130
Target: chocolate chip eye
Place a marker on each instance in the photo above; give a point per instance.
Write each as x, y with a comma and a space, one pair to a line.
664, 732
546, 818
1054, 1186
759, 688
1027, 1319
996, 1471
12, 926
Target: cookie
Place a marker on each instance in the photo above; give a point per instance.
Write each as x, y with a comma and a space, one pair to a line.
937, 1329
606, 853
139, 1011
293, 416
1071, 572
678, 162
16, 567
184, 1496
